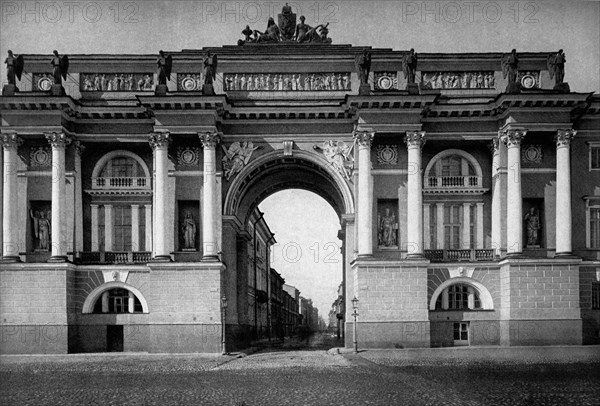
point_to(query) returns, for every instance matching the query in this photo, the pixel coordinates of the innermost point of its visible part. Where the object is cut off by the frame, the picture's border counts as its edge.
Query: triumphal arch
(466, 187)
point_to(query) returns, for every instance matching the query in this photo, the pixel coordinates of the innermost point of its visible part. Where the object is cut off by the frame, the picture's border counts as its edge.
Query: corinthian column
(58, 142)
(514, 207)
(414, 141)
(563, 191)
(159, 141)
(10, 223)
(209, 205)
(365, 195)
(496, 197)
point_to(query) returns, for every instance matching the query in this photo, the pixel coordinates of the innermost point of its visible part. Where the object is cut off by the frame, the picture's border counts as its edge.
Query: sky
(307, 253)
(144, 27)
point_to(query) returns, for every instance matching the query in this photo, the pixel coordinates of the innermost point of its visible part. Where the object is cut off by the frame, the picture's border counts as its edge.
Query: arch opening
(95, 297)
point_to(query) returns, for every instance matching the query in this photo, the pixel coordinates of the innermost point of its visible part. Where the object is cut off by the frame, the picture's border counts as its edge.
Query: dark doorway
(114, 338)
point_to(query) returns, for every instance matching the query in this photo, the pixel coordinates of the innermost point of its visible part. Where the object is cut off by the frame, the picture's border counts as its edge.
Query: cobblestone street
(314, 377)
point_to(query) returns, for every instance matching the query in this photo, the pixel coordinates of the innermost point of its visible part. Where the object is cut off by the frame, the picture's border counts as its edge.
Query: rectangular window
(595, 295)
(122, 228)
(452, 226)
(473, 230)
(595, 157)
(458, 297)
(594, 213)
(432, 226)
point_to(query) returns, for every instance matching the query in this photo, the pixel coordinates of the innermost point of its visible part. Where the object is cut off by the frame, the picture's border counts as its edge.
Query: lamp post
(355, 314)
(223, 310)
(340, 316)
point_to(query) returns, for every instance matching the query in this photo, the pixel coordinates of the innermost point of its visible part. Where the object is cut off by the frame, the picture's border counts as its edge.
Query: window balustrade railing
(121, 183)
(115, 257)
(455, 255)
(453, 182)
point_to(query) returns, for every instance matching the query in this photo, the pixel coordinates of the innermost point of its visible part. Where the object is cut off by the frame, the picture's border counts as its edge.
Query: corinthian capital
(10, 140)
(159, 139)
(57, 140)
(364, 138)
(209, 139)
(415, 139)
(563, 137)
(513, 137)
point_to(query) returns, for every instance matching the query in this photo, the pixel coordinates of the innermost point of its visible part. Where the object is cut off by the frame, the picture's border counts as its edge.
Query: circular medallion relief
(40, 157)
(528, 81)
(532, 153)
(188, 157)
(386, 154)
(385, 82)
(188, 83)
(44, 84)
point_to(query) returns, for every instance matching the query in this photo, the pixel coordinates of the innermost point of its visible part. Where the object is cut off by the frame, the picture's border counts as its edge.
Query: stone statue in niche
(189, 232)
(387, 229)
(533, 226)
(41, 228)
(236, 157)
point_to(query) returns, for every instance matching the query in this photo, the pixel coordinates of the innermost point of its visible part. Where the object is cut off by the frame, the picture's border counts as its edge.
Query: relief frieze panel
(458, 80)
(116, 82)
(287, 82)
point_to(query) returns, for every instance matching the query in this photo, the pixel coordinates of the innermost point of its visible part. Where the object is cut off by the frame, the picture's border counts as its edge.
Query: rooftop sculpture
(287, 31)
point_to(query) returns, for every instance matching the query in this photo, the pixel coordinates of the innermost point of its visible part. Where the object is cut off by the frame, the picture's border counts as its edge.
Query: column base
(415, 256)
(10, 259)
(514, 255)
(58, 258)
(161, 258)
(210, 258)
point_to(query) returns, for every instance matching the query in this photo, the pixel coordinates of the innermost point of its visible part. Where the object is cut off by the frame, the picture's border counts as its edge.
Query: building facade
(469, 212)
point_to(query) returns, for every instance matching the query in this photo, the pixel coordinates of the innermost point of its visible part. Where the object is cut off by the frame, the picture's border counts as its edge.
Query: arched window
(118, 300)
(453, 169)
(121, 170)
(461, 293)
(121, 167)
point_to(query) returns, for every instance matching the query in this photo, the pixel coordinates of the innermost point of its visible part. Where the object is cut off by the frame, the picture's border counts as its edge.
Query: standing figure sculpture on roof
(409, 66)
(60, 67)
(363, 66)
(510, 68)
(165, 64)
(14, 67)
(556, 67)
(210, 73)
